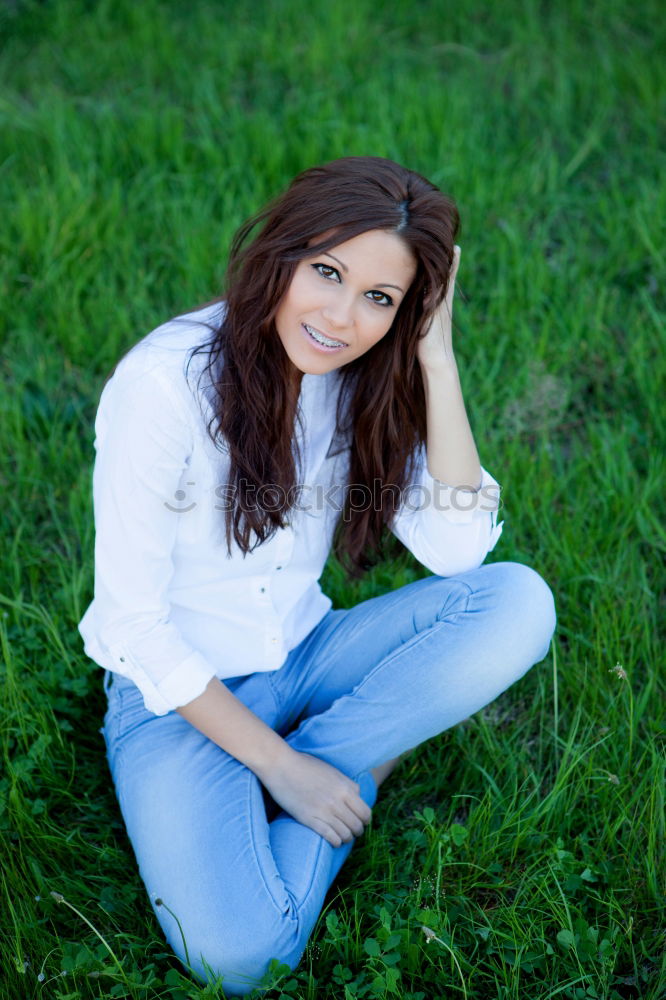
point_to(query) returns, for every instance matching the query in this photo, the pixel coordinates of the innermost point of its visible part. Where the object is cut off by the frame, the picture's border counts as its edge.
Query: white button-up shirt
(171, 608)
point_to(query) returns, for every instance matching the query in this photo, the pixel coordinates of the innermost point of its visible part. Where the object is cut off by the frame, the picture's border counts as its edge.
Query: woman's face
(340, 303)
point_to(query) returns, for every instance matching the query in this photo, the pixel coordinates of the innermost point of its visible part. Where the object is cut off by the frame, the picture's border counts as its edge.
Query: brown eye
(381, 298)
(326, 271)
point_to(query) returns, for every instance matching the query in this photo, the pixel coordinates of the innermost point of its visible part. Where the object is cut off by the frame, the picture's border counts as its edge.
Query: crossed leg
(366, 685)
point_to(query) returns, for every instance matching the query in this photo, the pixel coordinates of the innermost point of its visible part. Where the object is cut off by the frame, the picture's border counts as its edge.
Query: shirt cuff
(185, 682)
(460, 505)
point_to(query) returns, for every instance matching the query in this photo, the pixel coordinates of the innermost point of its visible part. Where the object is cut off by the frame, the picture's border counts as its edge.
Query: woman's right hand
(318, 795)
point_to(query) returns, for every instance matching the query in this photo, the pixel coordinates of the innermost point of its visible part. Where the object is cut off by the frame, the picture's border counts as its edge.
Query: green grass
(529, 840)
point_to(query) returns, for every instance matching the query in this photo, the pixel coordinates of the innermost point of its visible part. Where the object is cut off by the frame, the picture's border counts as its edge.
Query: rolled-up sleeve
(143, 443)
(448, 529)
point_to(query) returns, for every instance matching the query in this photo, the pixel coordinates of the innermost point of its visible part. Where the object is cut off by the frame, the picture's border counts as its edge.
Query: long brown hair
(381, 406)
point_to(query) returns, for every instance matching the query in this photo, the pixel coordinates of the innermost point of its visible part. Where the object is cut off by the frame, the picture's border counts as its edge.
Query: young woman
(249, 724)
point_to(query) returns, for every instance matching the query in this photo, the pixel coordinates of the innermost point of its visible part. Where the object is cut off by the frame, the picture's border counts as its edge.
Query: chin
(315, 366)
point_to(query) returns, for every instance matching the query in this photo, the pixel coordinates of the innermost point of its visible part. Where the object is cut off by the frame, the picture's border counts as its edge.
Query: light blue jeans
(233, 880)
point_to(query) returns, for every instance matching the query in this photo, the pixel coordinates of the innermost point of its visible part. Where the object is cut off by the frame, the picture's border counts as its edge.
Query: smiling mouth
(322, 339)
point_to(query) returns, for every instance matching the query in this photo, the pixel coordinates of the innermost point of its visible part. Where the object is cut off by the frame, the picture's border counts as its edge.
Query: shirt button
(278, 567)
(122, 659)
(262, 590)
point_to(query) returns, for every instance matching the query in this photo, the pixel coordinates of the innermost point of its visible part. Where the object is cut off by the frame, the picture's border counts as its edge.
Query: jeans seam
(113, 754)
(257, 859)
(298, 906)
(276, 697)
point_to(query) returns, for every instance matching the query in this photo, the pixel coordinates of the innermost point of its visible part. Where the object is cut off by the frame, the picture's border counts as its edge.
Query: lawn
(521, 854)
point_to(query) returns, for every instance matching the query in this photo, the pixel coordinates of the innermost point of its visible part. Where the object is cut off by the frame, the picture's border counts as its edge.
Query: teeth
(321, 339)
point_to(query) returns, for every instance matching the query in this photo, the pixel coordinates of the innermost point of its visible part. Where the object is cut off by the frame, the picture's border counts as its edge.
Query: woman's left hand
(435, 348)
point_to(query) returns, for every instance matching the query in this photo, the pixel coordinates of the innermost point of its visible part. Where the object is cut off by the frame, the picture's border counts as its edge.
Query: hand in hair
(435, 347)
(319, 796)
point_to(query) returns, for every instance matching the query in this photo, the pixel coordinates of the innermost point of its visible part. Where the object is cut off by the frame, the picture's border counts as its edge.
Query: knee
(237, 973)
(238, 967)
(530, 601)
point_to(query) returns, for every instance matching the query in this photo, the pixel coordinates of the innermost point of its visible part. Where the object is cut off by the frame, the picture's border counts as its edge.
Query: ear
(432, 296)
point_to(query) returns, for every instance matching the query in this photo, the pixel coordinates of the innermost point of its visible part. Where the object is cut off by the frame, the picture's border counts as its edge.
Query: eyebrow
(346, 270)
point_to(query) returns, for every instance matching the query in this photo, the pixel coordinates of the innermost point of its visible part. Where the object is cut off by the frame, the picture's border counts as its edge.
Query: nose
(339, 312)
